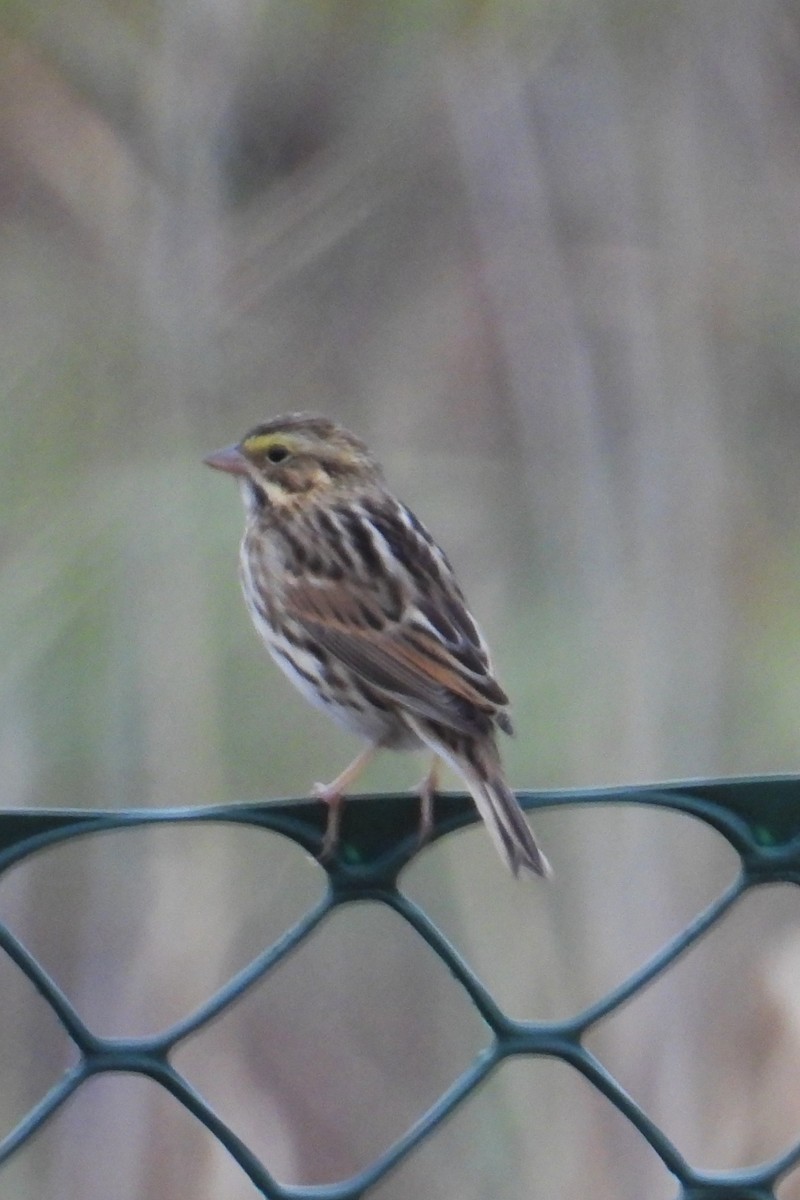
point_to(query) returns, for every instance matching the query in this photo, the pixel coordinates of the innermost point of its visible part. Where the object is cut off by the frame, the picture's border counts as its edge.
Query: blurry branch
(307, 217)
(532, 308)
(79, 158)
(30, 579)
(328, 198)
(100, 56)
(535, 311)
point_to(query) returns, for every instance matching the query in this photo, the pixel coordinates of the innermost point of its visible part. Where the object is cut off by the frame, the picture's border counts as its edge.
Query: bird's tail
(477, 761)
(505, 820)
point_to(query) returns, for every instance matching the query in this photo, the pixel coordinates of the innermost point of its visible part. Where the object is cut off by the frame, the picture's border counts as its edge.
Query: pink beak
(229, 459)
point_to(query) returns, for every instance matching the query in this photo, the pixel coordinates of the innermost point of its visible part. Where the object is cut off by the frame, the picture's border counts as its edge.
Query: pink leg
(334, 793)
(427, 793)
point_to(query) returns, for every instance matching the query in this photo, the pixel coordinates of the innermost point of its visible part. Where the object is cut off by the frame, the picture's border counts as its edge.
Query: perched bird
(360, 608)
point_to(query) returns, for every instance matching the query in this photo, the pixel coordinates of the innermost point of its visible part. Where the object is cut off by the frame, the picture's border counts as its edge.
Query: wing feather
(407, 660)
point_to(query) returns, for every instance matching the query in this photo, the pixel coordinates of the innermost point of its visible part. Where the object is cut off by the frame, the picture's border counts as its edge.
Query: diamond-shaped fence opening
(759, 819)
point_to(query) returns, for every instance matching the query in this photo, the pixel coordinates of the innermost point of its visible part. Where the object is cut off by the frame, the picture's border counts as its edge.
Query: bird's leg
(427, 793)
(333, 794)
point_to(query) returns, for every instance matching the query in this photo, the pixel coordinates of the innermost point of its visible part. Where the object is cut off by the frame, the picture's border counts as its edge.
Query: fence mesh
(760, 819)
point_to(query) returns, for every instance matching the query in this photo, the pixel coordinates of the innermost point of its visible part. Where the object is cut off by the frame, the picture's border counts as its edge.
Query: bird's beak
(229, 459)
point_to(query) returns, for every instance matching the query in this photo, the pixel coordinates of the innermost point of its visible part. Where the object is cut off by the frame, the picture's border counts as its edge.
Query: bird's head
(291, 459)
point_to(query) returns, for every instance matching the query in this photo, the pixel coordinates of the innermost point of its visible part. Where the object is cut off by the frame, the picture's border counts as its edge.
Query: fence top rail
(758, 816)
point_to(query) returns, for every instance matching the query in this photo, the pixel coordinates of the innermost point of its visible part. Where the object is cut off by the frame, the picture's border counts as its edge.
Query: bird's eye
(277, 454)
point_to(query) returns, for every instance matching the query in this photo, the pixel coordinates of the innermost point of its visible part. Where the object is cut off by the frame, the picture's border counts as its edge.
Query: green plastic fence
(760, 818)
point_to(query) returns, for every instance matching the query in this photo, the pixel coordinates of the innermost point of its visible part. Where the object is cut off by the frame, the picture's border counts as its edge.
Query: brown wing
(439, 673)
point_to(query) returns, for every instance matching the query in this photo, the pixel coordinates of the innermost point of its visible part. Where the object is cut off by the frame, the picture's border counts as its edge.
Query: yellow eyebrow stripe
(261, 442)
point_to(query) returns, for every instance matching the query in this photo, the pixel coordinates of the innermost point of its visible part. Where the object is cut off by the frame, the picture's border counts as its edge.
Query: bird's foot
(427, 794)
(333, 794)
(334, 799)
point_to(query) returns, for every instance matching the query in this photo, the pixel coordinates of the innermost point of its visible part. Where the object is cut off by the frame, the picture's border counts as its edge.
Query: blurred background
(545, 258)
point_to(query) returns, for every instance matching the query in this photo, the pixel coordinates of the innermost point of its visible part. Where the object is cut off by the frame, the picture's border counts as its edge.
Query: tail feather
(477, 761)
(505, 820)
